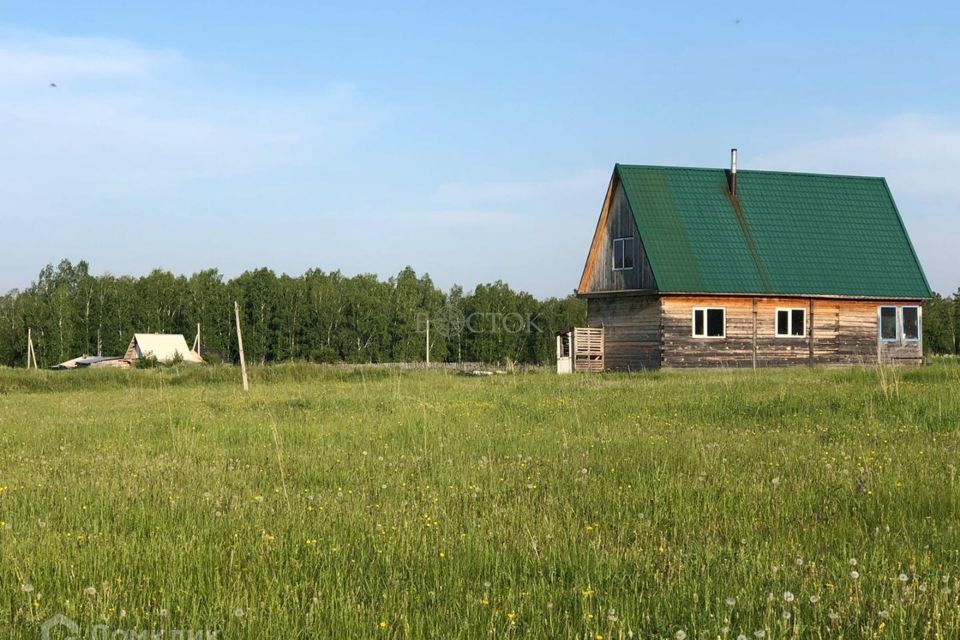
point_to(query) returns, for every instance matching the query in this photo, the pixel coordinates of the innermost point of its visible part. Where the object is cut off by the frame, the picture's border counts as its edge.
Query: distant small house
(91, 362)
(162, 347)
(715, 268)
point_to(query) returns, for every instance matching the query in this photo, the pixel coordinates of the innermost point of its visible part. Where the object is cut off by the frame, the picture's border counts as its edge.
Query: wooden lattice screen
(587, 349)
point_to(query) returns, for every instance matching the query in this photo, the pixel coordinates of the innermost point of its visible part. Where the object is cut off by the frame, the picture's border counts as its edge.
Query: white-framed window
(791, 323)
(910, 322)
(709, 322)
(623, 254)
(888, 324)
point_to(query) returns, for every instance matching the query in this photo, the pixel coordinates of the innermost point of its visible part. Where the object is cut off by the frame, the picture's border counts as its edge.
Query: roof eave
(769, 294)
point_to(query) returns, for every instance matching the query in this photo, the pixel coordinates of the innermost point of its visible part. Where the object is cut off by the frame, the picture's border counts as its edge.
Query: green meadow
(383, 503)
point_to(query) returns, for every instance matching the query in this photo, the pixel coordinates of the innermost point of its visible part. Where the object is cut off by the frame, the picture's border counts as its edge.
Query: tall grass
(385, 503)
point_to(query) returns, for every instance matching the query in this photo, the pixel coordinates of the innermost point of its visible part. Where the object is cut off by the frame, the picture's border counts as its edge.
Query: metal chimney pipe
(733, 171)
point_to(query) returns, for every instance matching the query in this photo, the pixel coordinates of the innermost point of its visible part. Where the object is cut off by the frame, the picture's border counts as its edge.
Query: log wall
(843, 332)
(631, 331)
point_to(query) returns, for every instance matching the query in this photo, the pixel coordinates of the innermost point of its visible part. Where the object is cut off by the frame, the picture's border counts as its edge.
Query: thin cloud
(578, 183)
(137, 159)
(131, 122)
(918, 154)
(28, 58)
(470, 218)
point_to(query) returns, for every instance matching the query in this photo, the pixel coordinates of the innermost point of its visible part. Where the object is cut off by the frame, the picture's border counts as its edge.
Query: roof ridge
(742, 171)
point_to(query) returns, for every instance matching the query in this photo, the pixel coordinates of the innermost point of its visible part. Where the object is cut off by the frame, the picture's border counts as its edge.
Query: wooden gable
(616, 221)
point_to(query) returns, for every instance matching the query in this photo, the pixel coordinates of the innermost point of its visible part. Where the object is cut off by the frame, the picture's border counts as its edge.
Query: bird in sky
(53, 85)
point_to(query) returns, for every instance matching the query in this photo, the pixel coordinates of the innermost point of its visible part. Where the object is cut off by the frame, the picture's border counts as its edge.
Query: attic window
(709, 323)
(791, 323)
(622, 254)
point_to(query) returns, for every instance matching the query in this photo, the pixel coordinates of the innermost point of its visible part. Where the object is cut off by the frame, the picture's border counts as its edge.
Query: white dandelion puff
(788, 596)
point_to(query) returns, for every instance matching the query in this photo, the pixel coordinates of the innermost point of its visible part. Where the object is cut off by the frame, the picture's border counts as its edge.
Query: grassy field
(800, 503)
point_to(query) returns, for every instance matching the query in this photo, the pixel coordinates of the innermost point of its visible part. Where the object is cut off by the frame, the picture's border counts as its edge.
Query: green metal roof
(784, 233)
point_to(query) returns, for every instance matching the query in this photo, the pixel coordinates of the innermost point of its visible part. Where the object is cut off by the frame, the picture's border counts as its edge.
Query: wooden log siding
(616, 221)
(681, 349)
(838, 332)
(631, 327)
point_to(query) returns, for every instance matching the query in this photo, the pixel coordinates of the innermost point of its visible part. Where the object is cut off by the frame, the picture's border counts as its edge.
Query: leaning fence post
(243, 362)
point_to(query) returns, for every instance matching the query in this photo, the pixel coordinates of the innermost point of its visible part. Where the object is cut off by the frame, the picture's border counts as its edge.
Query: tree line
(318, 316)
(941, 324)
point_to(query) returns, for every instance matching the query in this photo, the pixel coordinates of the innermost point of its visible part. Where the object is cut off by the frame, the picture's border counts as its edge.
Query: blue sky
(471, 142)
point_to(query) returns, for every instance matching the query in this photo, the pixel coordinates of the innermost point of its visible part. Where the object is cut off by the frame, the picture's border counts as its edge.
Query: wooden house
(719, 268)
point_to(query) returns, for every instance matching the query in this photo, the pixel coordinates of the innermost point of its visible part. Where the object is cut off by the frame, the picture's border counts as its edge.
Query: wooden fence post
(243, 362)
